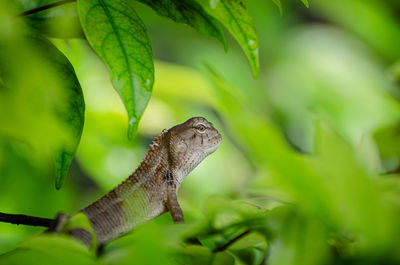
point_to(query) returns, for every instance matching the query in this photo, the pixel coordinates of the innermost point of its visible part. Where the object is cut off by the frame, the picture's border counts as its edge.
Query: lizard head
(191, 142)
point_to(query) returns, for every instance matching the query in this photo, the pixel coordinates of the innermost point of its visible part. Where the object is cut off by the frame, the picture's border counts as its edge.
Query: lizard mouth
(215, 142)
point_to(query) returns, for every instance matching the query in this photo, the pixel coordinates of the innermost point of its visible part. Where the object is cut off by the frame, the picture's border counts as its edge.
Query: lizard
(151, 189)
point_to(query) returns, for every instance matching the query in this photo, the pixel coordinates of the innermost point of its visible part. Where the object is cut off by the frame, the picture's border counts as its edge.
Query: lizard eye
(200, 128)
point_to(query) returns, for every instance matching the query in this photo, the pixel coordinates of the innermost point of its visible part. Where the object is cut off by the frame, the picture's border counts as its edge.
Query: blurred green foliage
(308, 171)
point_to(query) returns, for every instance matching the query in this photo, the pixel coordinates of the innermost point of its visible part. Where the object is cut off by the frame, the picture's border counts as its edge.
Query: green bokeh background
(314, 140)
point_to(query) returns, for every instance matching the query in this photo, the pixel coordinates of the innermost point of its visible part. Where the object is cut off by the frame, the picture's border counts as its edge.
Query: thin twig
(41, 8)
(230, 242)
(20, 219)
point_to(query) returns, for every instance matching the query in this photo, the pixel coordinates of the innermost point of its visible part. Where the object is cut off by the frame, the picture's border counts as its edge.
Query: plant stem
(20, 219)
(41, 8)
(230, 242)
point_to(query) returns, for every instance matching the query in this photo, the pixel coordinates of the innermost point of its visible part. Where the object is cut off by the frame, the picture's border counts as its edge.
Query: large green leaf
(191, 13)
(43, 105)
(71, 113)
(119, 37)
(234, 15)
(50, 249)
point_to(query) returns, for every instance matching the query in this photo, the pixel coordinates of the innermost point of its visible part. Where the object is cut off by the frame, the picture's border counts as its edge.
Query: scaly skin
(152, 189)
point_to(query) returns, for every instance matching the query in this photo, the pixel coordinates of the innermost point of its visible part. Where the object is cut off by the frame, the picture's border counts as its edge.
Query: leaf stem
(41, 8)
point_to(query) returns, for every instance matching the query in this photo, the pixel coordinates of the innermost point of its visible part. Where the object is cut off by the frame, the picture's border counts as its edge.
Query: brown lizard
(152, 188)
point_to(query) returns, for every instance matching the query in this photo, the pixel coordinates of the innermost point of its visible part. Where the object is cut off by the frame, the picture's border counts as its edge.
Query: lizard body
(152, 188)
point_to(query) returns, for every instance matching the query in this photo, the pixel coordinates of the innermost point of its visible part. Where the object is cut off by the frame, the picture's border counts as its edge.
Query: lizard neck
(155, 163)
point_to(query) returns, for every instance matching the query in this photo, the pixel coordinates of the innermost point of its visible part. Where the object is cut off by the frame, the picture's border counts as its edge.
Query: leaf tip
(63, 160)
(59, 181)
(61, 169)
(256, 73)
(253, 55)
(279, 5)
(132, 127)
(255, 65)
(224, 45)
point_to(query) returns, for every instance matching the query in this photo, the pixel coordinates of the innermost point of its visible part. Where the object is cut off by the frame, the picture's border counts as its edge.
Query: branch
(230, 242)
(20, 219)
(41, 8)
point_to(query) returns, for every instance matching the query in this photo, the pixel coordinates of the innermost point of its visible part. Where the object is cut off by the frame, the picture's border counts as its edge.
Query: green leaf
(49, 88)
(119, 37)
(388, 144)
(50, 249)
(295, 238)
(71, 114)
(222, 258)
(305, 2)
(60, 21)
(191, 13)
(279, 5)
(234, 15)
(80, 220)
